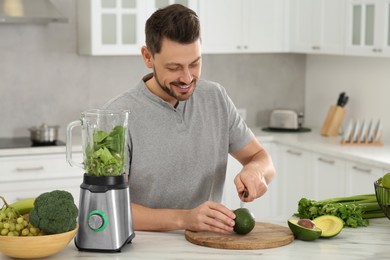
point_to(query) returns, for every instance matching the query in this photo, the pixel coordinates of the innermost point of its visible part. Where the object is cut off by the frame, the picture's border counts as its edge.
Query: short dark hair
(175, 22)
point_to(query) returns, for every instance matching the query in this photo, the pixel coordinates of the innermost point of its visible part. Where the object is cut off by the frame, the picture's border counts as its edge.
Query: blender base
(105, 219)
(105, 250)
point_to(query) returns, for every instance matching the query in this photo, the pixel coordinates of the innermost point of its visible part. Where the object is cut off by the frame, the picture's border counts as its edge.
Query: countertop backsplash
(365, 80)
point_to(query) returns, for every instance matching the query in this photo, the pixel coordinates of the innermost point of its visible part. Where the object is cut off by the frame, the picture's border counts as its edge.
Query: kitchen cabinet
(294, 177)
(30, 175)
(317, 26)
(314, 175)
(329, 180)
(361, 177)
(116, 27)
(243, 26)
(368, 28)
(262, 207)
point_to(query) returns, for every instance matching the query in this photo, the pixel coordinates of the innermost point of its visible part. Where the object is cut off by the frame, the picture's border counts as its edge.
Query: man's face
(176, 70)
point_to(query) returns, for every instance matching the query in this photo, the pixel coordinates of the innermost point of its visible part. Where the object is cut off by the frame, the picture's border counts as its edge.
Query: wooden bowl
(35, 246)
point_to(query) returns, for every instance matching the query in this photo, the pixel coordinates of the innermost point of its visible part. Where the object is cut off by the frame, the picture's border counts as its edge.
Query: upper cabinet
(243, 26)
(317, 26)
(110, 27)
(368, 28)
(341, 27)
(116, 27)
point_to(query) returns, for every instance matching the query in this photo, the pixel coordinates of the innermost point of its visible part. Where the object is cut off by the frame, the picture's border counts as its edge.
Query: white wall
(365, 80)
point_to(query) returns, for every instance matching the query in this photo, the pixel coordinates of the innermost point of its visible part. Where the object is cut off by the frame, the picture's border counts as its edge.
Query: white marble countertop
(55, 149)
(370, 242)
(312, 141)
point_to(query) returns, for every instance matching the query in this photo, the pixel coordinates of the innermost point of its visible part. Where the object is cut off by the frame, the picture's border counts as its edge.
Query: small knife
(244, 195)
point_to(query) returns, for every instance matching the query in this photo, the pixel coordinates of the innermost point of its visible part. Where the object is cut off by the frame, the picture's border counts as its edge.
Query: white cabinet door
(110, 27)
(368, 28)
(329, 177)
(262, 207)
(220, 25)
(294, 177)
(264, 26)
(116, 27)
(361, 177)
(317, 26)
(156, 4)
(243, 26)
(267, 205)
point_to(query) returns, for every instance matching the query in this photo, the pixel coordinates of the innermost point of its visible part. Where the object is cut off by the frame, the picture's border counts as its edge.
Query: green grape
(25, 232)
(6, 225)
(20, 220)
(12, 226)
(33, 230)
(1, 225)
(11, 234)
(18, 227)
(3, 215)
(4, 232)
(25, 223)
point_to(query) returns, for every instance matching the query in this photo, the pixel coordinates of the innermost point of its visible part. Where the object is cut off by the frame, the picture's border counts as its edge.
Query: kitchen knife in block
(333, 121)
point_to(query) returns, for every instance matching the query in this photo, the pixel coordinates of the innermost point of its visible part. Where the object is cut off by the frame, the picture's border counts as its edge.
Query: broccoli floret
(54, 212)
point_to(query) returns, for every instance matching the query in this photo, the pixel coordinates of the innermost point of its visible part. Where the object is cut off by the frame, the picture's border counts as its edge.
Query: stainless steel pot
(44, 134)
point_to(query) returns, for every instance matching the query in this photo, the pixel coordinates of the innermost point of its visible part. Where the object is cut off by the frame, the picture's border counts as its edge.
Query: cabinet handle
(377, 50)
(316, 48)
(361, 169)
(30, 169)
(245, 47)
(294, 152)
(326, 160)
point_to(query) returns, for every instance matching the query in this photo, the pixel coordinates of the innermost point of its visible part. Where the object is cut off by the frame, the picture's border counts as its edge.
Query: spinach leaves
(105, 156)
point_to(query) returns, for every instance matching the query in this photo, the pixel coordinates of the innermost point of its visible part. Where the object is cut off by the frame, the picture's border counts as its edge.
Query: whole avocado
(54, 212)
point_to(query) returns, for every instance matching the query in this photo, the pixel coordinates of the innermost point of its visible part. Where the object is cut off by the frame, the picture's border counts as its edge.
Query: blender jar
(104, 142)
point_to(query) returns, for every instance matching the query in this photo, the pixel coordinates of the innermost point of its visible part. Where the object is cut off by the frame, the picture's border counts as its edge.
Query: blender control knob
(97, 220)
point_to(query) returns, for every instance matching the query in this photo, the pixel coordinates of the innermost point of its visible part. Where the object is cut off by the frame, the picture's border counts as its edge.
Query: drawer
(361, 177)
(15, 191)
(38, 167)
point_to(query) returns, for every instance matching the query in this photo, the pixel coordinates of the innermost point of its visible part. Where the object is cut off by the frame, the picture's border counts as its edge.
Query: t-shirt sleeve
(239, 133)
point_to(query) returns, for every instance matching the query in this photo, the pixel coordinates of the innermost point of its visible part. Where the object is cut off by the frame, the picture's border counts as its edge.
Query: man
(182, 129)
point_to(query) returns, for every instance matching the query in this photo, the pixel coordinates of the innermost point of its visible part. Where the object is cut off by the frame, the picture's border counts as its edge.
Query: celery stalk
(353, 210)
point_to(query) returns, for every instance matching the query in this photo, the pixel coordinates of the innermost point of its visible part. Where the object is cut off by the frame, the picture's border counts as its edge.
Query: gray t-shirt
(179, 155)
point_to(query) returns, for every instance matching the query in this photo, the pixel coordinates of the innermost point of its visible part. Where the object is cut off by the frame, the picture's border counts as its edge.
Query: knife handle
(245, 193)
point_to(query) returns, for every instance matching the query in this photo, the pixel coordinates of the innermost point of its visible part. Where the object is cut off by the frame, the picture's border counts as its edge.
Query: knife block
(333, 121)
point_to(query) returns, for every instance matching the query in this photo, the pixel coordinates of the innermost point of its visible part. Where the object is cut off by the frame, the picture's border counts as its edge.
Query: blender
(105, 218)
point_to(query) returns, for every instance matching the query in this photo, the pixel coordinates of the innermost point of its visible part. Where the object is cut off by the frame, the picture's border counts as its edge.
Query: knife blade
(244, 195)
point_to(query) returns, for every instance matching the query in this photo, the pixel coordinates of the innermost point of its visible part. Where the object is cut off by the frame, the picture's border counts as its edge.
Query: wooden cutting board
(264, 235)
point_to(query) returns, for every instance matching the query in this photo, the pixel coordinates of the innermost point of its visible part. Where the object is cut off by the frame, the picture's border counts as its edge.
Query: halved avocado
(330, 225)
(303, 233)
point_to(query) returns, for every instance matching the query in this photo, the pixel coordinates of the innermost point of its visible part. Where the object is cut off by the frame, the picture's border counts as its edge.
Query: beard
(170, 91)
